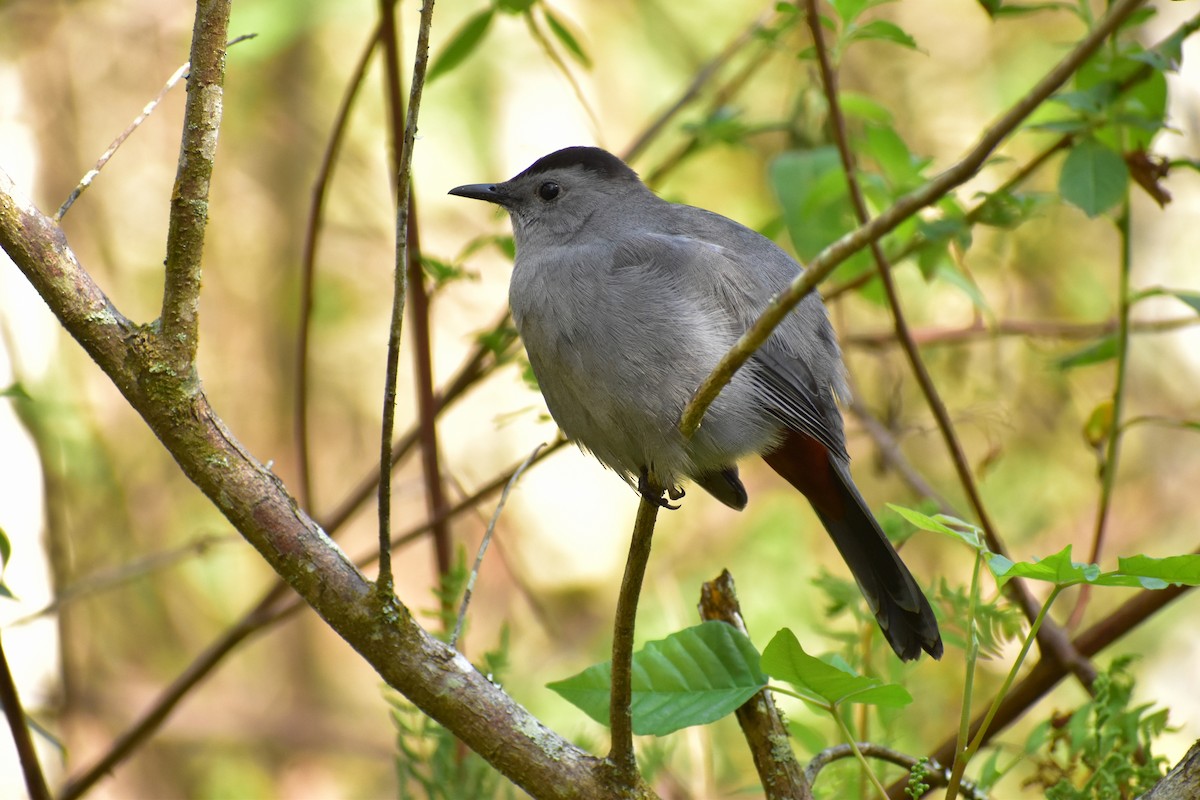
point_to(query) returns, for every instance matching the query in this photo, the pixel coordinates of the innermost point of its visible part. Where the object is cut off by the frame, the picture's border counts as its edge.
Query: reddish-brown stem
(308, 269)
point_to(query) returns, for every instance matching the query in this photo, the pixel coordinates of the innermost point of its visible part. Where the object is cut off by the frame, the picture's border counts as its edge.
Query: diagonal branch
(829, 258)
(189, 198)
(437, 680)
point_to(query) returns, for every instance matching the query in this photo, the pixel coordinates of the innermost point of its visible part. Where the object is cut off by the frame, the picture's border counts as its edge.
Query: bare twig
(104, 580)
(935, 774)
(780, 773)
(147, 110)
(14, 713)
(905, 207)
(308, 269)
(619, 715)
(189, 199)
(1044, 329)
(483, 545)
(543, 42)
(400, 284)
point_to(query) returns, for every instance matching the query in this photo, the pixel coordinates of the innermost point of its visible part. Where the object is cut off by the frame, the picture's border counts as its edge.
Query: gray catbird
(626, 302)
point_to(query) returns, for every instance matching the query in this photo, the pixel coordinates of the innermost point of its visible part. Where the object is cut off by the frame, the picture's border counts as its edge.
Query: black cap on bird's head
(589, 159)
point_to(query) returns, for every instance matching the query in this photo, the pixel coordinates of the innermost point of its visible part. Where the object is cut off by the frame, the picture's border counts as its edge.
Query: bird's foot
(652, 493)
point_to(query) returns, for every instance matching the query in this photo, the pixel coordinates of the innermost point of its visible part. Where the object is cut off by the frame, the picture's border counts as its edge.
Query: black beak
(490, 192)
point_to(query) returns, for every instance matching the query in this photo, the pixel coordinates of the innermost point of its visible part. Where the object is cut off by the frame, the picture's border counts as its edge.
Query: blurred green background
(295, 713)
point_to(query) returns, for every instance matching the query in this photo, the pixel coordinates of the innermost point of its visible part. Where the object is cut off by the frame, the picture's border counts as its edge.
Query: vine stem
(960, 764)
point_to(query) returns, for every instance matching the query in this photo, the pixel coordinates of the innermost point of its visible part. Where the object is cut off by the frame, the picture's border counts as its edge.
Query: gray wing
(799, 370)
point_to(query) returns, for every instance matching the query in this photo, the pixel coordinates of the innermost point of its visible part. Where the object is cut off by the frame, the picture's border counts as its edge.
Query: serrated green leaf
(461, 44)
(881, 30)
(1103, 350)
(568, 40)
(786, 660)
(692, 677)
(1093, 178)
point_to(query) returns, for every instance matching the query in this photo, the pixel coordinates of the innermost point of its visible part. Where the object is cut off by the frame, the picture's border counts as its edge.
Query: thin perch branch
(619, 715)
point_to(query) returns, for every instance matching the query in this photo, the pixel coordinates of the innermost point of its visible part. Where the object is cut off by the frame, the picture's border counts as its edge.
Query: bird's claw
(652, 494)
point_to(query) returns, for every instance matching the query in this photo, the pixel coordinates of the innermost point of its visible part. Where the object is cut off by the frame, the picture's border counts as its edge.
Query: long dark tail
(899, 605)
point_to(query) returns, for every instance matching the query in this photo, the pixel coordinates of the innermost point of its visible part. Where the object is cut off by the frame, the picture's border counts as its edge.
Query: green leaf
(990, 6)
(1093, 178)
(813, 193)
(692, 677)
(568, 40)
(865, 108)
(1103, 350)
(1179, 570)
(5, 549)
(881, 30)
(828, 685)
(895, 160)
(15, 391)
(944, 524)
(1191, 298)
(461, 44)
(515, 6)
(1057, 569)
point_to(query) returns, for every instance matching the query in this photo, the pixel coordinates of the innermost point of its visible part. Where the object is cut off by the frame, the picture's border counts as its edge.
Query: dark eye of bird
(548, 190)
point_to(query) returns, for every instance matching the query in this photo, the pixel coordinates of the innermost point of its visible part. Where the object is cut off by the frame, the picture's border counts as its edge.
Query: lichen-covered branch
(189, 198)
